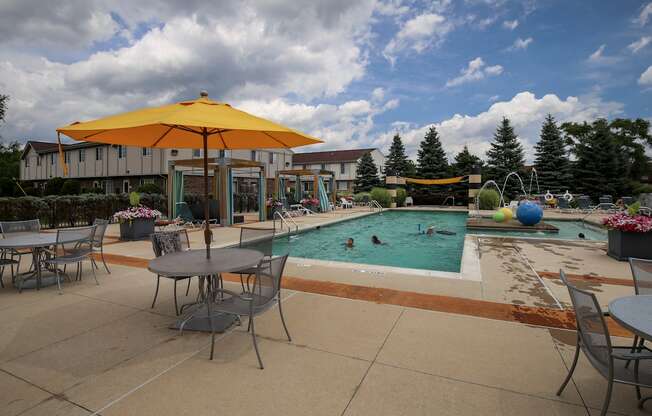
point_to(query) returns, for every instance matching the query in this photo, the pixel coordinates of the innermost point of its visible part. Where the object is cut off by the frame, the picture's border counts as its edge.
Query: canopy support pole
(207, 230)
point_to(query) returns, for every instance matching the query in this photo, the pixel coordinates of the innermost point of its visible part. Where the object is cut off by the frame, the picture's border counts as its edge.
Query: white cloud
(239, 51)
(494, 98)
(644, 15)
(599, 58)
(597, 55)
(378, 94)
(639, 44)
(418, 34)
(525, 111)
(475, 71)
(646, 77)
(510, 24)
(520, 44)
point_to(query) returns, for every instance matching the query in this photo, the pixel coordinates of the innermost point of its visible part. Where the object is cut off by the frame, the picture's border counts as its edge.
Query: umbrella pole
(207, 231)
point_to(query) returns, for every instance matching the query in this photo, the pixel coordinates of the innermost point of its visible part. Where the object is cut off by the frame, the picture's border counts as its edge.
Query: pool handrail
(285, 222)
(373, 204)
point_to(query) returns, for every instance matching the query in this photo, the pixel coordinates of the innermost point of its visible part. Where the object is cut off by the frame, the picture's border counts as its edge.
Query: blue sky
(353, 73)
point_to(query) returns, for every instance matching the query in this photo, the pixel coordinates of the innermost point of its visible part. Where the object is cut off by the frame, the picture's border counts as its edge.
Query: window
(66, 157)
(121, 151)
(342, 168)
(323, 166)
(98, 153)
(96, 184)
(125, 186)
(196, 152)
(27, 162)
(307, 186)
(52, 159)
(253, 155)
(147, 151)
(303, 167)
(222, 153)
(271, 157)
(38, 160)
(342, 186)
(82, 155)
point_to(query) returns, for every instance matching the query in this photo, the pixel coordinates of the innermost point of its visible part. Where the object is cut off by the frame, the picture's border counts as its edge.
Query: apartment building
(118, 169)
(342, 162)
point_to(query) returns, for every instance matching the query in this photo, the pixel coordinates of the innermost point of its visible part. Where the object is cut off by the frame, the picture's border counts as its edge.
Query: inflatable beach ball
(507, 212)
(529, 213)
(499, 216)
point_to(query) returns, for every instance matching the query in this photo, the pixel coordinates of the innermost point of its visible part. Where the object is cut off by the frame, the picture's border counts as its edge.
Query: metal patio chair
(261, 239)
(7, 228)
(263, 294)
(166, 242)
(98, 241)
(594, 341)
(584, 203)
(642, 275)
(73, 246)
(562, 204)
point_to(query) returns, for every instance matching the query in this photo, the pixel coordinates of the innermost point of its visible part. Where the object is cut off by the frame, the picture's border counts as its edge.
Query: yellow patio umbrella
(196, 124)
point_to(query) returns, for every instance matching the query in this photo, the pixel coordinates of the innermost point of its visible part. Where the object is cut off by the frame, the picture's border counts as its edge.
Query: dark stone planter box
(137, 229)
(623, 245)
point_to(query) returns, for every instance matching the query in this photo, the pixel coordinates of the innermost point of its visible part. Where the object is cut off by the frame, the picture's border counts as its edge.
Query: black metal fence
(73, 210)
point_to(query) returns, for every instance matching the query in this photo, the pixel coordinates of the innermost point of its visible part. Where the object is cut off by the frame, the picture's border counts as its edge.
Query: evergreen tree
(431, 158)
(505, 156)
(464, 162)
(551, 161)
(396, 163)
(598, 168)
(366, 174)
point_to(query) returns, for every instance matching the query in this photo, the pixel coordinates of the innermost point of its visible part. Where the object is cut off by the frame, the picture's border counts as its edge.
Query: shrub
(70, 187)
(382, 196)
(400, 197)
(361, 198)
(149, 188)
(53, 186)
(641, 188)
(489, 199)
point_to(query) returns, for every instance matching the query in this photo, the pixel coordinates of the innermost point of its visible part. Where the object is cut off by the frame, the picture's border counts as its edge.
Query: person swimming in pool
(430, 231)
(376, 240)
(581, 236)
(349, 243)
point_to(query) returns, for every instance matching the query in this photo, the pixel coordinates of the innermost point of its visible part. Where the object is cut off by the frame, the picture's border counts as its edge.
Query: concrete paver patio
(356, 349)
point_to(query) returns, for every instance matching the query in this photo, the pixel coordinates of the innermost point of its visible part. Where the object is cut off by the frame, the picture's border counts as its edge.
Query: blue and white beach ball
(529, 213)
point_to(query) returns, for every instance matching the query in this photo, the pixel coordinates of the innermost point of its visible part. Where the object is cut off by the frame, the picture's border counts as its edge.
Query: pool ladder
(373, 205)
(285, 221)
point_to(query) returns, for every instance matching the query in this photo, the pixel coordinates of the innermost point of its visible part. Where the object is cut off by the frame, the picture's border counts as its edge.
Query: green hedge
(382, 196)
(400, 197)
(72, 210)
(361, 198)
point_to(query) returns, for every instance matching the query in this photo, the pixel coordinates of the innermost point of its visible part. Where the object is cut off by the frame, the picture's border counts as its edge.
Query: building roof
(52, 147)
(330, 156)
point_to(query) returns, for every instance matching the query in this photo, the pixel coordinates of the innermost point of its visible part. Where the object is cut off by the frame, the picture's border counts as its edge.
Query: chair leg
(158, 281)
(634, 347)
(94, 275)
(253, 336)
(607, 399)
(188, 288)
(210, 322)
(176, 307)
(280, 311)
(572, 369)
(103, 261)
(58, 280)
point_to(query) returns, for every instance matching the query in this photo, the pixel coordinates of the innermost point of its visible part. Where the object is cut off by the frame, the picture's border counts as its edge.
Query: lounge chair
(344, 203)
(606, 199)
(409, 202)
(584, 203)
(185, 214)
(594, 341)
(627, 200)
(562, 204)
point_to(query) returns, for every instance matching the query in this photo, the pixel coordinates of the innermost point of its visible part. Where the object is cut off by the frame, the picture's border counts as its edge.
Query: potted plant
(630, 234)
(137, 221)
(311, 203)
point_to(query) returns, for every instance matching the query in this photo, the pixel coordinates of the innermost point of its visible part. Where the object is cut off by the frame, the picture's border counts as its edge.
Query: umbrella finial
(203, 94)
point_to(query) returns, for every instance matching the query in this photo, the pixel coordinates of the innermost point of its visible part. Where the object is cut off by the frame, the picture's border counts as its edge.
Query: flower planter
(623, 245)
(136, 229)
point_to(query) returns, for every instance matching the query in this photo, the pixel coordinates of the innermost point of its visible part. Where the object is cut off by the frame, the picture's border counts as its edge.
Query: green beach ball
(499, 216)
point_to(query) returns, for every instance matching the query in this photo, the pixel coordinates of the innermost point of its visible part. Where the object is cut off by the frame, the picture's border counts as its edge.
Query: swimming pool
(403, 245)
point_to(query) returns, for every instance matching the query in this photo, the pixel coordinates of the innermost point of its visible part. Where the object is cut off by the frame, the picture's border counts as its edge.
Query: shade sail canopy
(182, 125)
(447, 181)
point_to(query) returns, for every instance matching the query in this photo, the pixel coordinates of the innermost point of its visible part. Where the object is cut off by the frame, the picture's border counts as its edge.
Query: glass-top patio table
(195, 263)
(37, 243)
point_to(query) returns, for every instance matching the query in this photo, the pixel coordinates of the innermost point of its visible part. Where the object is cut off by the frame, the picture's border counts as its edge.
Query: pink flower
(629, 223)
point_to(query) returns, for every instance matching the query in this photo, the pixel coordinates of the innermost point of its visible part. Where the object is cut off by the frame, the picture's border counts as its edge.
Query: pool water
(568, 230)
(402, 246)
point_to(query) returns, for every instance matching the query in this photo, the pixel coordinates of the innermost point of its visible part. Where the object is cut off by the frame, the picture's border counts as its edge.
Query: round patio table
(195, 263)
(36, 242)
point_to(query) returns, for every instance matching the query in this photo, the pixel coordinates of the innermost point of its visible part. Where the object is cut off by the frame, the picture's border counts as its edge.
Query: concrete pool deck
(362, 344)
